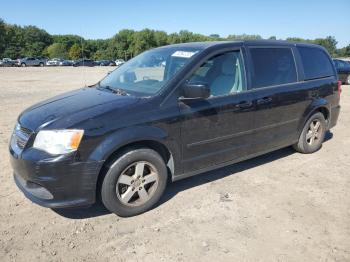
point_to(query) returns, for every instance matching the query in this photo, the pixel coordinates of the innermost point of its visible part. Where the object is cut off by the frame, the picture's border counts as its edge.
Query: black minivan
(170, 113)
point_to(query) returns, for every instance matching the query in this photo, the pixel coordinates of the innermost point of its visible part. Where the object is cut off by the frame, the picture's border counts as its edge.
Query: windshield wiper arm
(116, 90)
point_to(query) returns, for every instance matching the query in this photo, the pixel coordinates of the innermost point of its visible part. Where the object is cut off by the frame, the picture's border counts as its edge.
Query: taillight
(339, 88)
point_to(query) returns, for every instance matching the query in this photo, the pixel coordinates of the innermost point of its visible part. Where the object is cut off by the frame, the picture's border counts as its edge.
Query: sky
(104, 18)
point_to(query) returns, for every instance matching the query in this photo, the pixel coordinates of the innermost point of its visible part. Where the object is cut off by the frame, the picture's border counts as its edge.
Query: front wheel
(313, 134)
(134, 182)
(41, 64)
(348, 80)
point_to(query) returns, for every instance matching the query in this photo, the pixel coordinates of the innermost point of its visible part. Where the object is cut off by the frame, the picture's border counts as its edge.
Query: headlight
(58, 141)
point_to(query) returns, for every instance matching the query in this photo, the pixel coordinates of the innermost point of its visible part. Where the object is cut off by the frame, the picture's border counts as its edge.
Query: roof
(204, 45)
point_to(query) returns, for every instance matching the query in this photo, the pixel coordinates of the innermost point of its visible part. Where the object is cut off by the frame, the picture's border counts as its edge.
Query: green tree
(58, 50)
(75, 52)
(161, 38)
(120, 45)
(214, 36)
(14, 47)
(2, 37)
(17, 41)
(329, 43)
(35, 40)
(68, 40)
(347, 50)
(343, 52)
(142, 41)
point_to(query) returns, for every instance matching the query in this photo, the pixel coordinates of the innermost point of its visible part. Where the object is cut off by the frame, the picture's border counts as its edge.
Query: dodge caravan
(170, 113)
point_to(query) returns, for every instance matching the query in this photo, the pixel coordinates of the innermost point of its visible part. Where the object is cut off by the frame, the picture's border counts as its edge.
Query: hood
(71, 103)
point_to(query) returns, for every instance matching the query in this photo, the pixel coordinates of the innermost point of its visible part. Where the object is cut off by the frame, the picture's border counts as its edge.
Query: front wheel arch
(111, 197)
(160, 148)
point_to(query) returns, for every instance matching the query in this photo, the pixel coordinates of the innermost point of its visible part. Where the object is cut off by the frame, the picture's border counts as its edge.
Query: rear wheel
(134, 182)
(41, 64)
(313, 134)
(348, 80)
(23, 65)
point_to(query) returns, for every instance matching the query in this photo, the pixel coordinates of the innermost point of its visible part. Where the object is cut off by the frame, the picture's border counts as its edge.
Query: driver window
(223, 73)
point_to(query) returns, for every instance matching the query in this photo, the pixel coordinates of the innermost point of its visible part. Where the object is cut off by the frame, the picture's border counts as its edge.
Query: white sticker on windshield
(184, 54)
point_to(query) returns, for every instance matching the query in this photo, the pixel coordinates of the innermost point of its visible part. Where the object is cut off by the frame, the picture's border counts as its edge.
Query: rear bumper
(56, 182)
(334, 116)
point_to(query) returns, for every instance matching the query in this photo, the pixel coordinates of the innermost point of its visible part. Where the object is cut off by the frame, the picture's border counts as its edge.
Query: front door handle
(244, 104)
(264, 100)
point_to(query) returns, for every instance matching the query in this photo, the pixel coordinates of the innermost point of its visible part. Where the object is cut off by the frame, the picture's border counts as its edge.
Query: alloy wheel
(137, 183)
(314, 132)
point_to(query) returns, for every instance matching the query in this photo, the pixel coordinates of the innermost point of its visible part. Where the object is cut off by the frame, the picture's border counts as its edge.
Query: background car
(343, 69)
(105, 63)
(119, 62)
(31, 61)
(66, 63)
(54, 62)
(7, 62)
(84, 62)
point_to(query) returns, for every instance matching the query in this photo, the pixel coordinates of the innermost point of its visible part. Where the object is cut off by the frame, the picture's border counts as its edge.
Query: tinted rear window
(315, 62)
(273, 66)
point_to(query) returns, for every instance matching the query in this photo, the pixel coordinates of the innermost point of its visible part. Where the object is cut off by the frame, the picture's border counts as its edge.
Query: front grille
(21, 136)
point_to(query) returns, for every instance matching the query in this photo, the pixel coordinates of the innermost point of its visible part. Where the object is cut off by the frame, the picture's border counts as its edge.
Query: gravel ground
(282, 206)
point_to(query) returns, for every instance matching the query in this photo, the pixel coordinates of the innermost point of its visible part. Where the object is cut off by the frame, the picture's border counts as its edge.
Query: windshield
(149, 72)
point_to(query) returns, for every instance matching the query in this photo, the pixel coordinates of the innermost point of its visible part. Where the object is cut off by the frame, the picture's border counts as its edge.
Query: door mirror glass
(196, 90)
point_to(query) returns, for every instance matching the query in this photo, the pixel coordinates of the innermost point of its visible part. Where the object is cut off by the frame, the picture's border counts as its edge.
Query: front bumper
(56, 182)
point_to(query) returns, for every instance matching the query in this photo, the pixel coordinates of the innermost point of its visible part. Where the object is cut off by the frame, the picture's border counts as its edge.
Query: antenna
(82, 57)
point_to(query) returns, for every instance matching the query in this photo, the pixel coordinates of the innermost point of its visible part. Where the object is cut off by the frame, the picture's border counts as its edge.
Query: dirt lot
(283, 206)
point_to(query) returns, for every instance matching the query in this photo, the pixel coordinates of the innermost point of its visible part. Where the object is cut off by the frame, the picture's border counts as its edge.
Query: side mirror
(195, 90)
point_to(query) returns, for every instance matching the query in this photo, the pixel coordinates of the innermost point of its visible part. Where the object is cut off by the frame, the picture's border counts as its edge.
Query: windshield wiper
(117, 91)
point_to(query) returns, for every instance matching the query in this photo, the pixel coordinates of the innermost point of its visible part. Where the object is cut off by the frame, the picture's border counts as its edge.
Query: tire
(41, 64)
(23, 65)
(130, 199)
(347, 82)
(312, 137)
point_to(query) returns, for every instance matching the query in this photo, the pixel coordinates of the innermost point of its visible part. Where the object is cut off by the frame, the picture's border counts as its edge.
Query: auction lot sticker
(184, 54)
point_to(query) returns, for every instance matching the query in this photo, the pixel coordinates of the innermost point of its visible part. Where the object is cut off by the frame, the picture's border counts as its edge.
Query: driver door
(217, 129)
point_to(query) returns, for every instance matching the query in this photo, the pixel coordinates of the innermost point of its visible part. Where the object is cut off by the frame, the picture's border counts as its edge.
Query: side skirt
(217, 166)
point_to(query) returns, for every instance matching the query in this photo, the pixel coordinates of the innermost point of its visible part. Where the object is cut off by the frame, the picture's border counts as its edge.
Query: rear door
(278, 100)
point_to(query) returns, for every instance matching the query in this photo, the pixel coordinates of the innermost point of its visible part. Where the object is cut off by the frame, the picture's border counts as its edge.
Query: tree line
(22, 41)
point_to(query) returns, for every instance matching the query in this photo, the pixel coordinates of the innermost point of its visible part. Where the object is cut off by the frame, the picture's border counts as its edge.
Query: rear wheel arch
(321, 109)
(322, 106)
(313, 134)
(325, 111)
